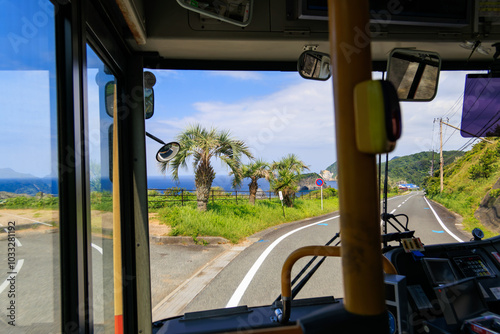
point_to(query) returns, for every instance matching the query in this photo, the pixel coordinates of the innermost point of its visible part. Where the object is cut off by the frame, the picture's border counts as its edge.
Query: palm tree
(203, 145)
(286, 176)
(256, 170)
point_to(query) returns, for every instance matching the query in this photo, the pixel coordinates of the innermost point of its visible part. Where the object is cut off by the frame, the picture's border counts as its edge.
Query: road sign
(281, 195)
(319, 182)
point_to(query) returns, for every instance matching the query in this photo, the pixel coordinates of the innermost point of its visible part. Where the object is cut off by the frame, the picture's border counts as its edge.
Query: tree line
(201, 145)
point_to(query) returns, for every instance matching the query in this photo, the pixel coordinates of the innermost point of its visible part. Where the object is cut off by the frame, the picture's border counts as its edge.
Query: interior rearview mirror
(414, 74)
(237, 12)
(314, 65)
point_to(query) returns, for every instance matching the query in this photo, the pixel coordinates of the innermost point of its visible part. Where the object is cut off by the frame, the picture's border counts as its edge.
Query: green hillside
(416, 167)
(309, 176)
(412, 168)
(466, 183)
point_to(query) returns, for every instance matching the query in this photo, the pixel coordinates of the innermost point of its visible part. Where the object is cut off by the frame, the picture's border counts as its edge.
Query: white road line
(99, 249)
(16, 240)
(36, 221)
(15, 271)
(441, 223)
(240, 290)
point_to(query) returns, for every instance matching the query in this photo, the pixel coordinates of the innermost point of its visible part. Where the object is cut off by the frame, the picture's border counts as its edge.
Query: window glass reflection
(100, 124)
(29, 199)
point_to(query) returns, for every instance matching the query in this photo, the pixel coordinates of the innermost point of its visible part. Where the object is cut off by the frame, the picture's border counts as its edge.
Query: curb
(185, 240)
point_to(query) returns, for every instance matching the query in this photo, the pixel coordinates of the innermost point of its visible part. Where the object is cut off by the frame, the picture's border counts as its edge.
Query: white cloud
(241, 75)
(296, 120)
(299, 119)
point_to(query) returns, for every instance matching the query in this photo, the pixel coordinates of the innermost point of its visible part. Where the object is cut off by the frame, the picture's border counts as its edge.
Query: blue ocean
(50, 186)
(223, 181)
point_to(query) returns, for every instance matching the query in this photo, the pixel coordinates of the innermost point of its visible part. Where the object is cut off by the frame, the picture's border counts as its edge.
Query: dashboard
(437, 289)
(449, 284)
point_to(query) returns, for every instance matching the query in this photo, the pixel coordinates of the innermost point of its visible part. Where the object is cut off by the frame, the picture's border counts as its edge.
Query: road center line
(441, 223)
(240, 290)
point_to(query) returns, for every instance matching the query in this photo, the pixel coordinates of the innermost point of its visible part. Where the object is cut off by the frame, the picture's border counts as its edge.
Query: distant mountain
(309, 176)
(333, 169)
(411, 168)
(9, 173)
(307, 181)
(22, 183)
(416, 167)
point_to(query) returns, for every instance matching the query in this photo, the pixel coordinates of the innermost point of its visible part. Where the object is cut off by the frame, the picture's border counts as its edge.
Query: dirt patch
(155, 227)
(29, 220)
(40, 220)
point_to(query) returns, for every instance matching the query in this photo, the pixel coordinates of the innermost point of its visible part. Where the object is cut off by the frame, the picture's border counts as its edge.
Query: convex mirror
(414, 74)
(237, 12)
(314, 65)
(168, 152)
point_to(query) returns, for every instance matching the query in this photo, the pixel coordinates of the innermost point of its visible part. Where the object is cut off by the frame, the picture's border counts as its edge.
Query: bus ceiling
(275, 33)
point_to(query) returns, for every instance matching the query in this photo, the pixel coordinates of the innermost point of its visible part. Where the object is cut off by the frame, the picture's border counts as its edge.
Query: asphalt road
(253, 278)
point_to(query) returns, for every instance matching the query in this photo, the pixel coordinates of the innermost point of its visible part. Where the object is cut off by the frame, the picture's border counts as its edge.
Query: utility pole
(432, 163)
(441, 162)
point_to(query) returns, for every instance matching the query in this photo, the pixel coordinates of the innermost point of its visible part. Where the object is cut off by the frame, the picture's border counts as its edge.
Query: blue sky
(275, 113)
(278, 113)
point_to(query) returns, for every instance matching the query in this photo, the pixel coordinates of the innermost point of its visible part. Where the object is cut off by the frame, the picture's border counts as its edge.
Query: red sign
(319, 182)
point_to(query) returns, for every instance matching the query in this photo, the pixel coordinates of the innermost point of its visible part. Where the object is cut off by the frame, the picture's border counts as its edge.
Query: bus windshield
(274, 115)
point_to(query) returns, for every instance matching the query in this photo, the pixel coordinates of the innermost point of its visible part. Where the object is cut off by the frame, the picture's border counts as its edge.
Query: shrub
(494, 193)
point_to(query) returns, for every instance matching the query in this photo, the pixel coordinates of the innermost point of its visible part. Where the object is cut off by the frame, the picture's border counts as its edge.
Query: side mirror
(149, 95)
(314, 65)
(235, 12)
(414, 74)
(168, 152)
(109, 97)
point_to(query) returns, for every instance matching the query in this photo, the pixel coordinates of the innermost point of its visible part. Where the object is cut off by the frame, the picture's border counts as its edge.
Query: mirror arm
(155, 138)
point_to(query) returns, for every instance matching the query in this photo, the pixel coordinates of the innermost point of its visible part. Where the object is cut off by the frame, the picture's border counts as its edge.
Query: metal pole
(155, 138)
(321, 197)
(362, 270)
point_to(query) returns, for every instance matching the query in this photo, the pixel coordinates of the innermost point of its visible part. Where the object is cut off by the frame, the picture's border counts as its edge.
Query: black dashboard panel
(241, 318)
(440, 267)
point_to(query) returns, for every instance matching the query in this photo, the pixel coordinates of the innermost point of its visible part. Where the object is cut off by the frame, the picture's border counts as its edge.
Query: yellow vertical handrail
(117, 248)
(358, 190)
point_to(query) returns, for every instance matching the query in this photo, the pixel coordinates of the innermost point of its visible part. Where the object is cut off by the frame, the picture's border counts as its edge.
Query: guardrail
(159, 197)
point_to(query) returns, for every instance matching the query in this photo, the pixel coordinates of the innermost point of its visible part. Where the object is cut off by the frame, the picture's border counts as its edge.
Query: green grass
(237, 221)
(101, 201)
(22, 202)
(462, 192)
